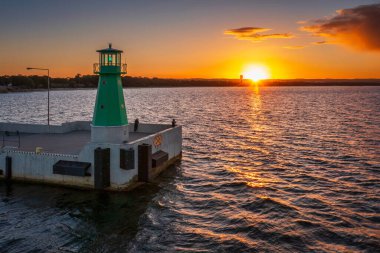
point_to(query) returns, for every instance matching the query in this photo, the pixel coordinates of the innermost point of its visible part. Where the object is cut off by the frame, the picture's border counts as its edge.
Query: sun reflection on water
(255, 108)
(251, 178)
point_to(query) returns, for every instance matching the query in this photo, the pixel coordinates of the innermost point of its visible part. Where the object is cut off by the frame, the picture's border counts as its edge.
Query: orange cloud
(254, 34)
(357, 27)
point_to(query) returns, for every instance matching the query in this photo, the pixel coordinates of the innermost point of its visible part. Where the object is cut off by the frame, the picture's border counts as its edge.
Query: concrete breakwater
(34, 152)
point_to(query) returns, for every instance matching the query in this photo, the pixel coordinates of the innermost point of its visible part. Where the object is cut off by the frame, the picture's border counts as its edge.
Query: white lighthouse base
(109, 134)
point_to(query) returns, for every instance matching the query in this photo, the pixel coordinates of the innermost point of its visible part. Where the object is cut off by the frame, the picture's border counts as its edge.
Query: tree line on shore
(91, 81)
(34, 82)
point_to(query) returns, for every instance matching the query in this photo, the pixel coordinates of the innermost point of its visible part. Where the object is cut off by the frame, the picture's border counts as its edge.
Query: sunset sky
(194, 38)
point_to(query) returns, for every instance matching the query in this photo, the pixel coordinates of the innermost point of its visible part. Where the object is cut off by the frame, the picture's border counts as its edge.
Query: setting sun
(256, 72)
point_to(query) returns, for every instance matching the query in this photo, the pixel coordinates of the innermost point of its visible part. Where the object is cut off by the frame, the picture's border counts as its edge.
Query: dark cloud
(320, 42)
(246, 30)
(357, 27)
(255, 34)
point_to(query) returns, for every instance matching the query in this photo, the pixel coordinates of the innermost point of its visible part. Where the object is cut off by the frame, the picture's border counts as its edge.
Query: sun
(256, 72)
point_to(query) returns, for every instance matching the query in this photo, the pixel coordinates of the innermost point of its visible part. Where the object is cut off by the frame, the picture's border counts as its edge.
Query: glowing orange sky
(179, 39)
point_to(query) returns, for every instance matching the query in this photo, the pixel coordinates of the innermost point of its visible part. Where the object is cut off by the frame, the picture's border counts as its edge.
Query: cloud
(320, 42)
(255, 34)
(357, 27)
(246, 30)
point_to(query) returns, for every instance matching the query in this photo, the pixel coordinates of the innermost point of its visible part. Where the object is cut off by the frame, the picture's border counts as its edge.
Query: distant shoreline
(38, 83)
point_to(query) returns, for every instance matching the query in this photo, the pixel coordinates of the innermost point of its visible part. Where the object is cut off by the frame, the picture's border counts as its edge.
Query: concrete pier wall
(171, 142)
(39, 129)
(30, 166)
(74, 126)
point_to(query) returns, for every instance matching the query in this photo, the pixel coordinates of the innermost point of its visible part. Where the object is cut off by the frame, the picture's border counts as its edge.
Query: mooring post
(8, 168)
(144, 161)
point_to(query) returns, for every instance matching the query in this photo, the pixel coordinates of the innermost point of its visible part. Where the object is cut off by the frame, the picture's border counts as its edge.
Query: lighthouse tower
(109, 122)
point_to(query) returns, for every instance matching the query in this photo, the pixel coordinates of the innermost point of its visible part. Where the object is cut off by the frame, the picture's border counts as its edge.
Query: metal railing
(96, 68)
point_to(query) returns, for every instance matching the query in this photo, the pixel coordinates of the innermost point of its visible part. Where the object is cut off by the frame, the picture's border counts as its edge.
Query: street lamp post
(48, 83)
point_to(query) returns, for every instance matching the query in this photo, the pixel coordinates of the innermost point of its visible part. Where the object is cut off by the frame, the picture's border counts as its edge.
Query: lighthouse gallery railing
(96, 68)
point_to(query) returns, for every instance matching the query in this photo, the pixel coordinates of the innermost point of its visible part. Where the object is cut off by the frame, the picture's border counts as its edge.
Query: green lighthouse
(109, 122)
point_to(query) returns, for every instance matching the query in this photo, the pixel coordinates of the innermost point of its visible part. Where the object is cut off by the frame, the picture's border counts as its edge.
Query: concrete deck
(64, 143)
